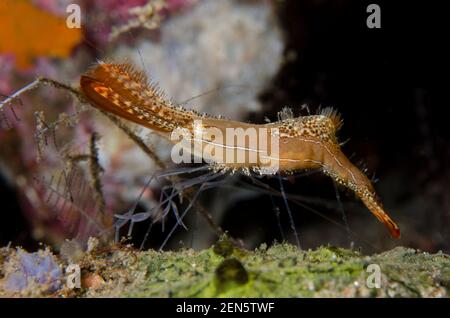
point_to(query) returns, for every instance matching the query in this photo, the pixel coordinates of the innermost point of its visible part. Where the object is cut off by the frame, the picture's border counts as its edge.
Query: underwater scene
(223, 149)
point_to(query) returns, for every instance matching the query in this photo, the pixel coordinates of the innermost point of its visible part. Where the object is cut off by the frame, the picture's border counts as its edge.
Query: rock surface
(225, 271)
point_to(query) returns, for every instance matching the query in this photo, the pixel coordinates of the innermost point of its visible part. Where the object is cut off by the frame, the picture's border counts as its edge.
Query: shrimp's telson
(306, 142)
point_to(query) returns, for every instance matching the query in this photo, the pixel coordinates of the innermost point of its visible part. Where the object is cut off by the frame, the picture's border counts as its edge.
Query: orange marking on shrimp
(306, 142)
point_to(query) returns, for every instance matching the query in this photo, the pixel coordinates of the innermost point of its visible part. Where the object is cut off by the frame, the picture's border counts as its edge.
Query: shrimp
(306, 142)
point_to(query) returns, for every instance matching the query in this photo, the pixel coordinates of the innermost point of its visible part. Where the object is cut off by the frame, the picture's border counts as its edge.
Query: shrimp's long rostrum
(307, 142)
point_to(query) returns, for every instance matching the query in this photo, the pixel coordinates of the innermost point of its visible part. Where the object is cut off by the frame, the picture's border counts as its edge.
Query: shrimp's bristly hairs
(334, 115)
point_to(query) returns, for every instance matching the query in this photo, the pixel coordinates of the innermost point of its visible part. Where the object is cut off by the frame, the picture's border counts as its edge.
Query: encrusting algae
(279, 271)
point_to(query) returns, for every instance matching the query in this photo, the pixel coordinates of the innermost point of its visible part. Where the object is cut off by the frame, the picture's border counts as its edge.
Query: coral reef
(281, 270)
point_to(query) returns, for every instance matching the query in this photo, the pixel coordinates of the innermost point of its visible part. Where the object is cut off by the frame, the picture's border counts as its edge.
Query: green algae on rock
(279, 271)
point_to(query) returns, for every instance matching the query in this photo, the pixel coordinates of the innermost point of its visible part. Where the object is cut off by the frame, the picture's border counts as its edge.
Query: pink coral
(102, 16)
(177, 5)
(6, 66)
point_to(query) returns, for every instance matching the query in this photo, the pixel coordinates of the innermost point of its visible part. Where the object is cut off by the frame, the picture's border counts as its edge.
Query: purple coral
(32, 270)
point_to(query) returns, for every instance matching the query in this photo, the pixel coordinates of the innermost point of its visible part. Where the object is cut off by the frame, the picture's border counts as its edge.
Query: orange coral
(28, 32)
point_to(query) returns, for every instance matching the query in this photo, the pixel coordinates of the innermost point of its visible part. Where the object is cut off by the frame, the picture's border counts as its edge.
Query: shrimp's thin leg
(303, 202)
(204, 186)
(199, 208)
(277, 214)
(132, 217)
(38, 82)
(176, 191)
(4, 120)
(342, 210)
(288, 209)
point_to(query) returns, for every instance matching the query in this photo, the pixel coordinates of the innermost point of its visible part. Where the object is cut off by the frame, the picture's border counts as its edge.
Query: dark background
(389, 86)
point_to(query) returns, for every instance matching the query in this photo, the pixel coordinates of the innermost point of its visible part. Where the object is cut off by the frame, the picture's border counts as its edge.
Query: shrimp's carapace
(305, 142)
